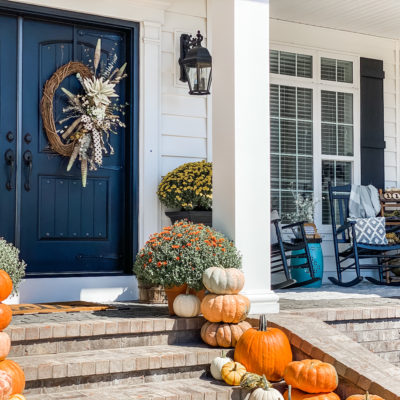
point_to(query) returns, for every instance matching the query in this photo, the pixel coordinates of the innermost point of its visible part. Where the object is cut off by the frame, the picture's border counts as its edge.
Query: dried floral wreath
(95, 112)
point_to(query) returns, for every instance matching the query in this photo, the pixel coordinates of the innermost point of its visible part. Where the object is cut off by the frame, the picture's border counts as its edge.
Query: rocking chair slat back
(339, 206)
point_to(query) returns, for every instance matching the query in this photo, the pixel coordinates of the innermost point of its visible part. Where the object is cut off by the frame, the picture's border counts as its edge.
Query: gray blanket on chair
(364, 201)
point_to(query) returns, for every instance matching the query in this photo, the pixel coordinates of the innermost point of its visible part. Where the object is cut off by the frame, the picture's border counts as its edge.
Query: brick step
(182, 389)
(383, 346)
(92, 334)
(132, 365)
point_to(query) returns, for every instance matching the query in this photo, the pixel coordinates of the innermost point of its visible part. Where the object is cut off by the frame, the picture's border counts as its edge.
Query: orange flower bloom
(223, 250)
(150, 260)
(177, 258)
(159, 264)
(175, 246)
(188, 244)
(179, 235)
(197, 248)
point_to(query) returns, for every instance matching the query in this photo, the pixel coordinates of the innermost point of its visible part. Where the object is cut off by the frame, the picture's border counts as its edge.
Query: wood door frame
(131, 29)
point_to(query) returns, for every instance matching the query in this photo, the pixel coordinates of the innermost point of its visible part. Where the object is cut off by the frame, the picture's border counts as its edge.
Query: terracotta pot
(174, 291)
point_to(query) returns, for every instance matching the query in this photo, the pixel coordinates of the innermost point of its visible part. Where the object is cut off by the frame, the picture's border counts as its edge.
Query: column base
(262, 302)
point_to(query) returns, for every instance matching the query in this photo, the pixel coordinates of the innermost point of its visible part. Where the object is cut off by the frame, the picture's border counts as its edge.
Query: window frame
(317, 85)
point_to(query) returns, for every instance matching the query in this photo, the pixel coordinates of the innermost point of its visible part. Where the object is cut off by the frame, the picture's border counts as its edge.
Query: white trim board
(100, 289)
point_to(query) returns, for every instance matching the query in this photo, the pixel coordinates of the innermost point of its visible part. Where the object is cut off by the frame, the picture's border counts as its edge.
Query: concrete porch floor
(331, 296)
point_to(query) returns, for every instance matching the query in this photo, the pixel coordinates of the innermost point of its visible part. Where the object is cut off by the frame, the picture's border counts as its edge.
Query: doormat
(47, 308)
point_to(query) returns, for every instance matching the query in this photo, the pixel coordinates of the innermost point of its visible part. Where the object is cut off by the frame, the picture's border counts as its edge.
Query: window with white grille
(314, 128)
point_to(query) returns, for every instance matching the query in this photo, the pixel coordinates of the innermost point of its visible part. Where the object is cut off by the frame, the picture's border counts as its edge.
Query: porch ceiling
(378, 18)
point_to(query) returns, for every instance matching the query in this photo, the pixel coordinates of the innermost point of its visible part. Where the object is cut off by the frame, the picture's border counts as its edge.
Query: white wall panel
(183, 146)
(194, 106)
(184, 126)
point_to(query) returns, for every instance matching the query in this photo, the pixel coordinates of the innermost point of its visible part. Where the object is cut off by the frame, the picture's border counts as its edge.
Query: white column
(241, 171)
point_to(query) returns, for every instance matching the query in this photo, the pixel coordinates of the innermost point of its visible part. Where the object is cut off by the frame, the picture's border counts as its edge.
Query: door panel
(64, 227)
(8, 124)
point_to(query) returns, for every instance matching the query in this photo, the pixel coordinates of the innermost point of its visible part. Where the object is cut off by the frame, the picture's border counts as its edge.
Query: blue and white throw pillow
(370, 230)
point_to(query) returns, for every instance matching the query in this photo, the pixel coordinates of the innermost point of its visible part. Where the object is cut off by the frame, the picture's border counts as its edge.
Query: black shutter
(372, 125)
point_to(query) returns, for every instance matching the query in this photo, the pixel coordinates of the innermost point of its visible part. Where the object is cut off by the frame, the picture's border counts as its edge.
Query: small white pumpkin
(187, 305)
(220, 280)
(264, 394)
(216, 366)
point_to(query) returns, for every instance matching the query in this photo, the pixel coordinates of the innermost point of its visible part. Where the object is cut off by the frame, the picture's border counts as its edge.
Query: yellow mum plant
(188, 187)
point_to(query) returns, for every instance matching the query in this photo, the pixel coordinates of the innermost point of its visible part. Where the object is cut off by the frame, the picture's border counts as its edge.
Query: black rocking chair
(282, 252)
(348, 257)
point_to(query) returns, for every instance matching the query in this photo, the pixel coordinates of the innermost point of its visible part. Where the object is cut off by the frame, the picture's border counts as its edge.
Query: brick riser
(131, 378)
(100, 342)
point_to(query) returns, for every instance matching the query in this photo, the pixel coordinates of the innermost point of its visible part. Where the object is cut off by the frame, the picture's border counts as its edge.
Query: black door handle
(10, 161)
(28, 162)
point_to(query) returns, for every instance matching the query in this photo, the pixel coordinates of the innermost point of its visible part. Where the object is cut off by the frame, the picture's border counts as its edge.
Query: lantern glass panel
(199, 78)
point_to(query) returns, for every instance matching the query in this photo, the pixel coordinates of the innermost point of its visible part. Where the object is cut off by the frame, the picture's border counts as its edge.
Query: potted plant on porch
(176, 258)
(188, 190)
(305, 213)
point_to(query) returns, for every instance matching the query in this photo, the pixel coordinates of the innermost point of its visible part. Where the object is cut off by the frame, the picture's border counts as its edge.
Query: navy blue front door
(59, 226)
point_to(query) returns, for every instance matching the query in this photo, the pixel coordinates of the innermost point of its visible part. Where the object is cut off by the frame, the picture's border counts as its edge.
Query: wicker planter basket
(152, 294)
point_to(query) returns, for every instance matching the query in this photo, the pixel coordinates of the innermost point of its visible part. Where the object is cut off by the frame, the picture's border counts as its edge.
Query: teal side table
(302, 274)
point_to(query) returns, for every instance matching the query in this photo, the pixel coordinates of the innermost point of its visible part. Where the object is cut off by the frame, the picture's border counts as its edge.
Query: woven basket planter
(152, 294)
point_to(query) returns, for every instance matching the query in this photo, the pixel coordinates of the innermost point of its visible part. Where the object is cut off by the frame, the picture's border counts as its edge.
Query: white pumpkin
(264, 394)
(216, 366)
(223, 280)
(187, 305)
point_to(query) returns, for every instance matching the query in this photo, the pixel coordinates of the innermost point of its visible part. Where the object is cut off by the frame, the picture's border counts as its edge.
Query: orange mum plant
(180, 253)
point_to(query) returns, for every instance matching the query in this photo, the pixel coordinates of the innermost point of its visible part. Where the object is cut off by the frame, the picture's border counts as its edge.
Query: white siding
(359, 45)
(184, 118)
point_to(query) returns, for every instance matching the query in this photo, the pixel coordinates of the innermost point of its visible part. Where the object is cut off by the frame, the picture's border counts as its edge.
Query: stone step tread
(99, 327)
(184, 389)
(100, 362)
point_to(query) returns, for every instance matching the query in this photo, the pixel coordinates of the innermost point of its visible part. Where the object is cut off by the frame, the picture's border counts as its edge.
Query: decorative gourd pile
(224, 308)
(12, 378)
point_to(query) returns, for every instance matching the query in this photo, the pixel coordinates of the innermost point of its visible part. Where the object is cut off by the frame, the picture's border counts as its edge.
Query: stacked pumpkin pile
(12, 378)
(224, 308)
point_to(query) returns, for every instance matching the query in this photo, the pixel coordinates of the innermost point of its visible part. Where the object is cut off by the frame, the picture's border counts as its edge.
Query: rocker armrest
(293, 225)
(345, 226)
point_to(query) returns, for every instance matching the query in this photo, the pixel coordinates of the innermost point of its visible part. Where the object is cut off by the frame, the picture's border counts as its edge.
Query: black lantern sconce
(196, 63)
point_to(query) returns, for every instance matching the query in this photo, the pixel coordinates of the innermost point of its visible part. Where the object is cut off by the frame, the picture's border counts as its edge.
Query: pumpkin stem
(367, 395)
(187, 289)
(290, 392)
(263, 323)
(266, 384)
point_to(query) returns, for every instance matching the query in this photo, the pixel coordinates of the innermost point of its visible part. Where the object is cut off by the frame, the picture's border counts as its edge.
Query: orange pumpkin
(6, 285)
(5, 345)
(230, 308)
(17, 375)
(264, 351)
(17, 397)
(311, 376)
(223, 335)
(299, 395)
(5, 316)
(365, 396)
